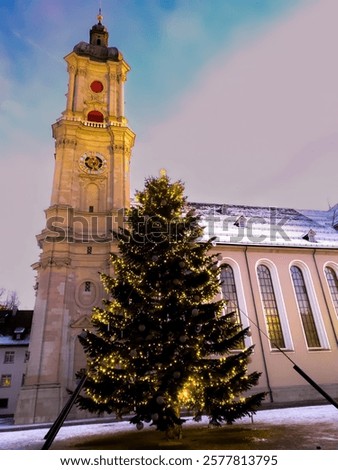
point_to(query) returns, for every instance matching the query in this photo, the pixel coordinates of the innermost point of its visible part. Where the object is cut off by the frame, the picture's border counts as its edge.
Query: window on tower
(96, 86)
(95, 116)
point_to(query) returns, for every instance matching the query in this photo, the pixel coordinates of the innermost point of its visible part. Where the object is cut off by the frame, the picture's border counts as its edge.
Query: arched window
(305, 309)
(230, 293)
(272, 317)
(332, 281)
(229, 289)
(92, 197)
(95, 116)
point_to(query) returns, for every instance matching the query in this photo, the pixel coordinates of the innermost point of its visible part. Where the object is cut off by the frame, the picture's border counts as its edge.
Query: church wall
(277, 370)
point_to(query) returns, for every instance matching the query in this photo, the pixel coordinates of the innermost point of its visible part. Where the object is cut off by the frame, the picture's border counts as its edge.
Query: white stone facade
(90, 189)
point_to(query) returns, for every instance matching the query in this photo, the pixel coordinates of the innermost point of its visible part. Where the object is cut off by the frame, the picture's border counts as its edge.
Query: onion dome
(97, 48)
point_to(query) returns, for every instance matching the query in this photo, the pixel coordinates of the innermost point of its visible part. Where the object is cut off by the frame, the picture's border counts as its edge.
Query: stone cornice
(53, 261)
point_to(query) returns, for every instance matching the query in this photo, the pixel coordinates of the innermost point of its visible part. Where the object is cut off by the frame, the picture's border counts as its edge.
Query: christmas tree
(162, 343)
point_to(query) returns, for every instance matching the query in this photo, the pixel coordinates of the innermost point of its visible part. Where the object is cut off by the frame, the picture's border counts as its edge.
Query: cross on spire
(99, 16)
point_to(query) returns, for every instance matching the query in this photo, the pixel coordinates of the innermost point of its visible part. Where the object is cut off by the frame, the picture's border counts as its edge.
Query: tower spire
(99, 34)
(99, 16)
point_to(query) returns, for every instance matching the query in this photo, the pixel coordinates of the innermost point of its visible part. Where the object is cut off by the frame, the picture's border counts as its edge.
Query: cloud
(13, 108)
(183, 29)
(245, 132)
(173, 46)
(25, 183)
(5, 82)
(38, 46)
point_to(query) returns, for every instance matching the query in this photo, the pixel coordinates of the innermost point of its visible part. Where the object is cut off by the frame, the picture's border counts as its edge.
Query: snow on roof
(8, 340)
(269, 226)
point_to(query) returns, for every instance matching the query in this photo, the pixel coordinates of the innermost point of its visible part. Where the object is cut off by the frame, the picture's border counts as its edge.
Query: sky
(236, 98)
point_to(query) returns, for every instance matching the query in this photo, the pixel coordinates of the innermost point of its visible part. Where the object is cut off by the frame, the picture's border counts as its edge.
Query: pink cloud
(256, 125)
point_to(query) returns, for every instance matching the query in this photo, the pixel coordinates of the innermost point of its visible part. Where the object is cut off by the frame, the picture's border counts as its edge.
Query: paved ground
(306, 428)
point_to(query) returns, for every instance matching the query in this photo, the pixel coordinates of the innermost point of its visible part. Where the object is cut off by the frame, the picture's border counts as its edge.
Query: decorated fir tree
(162, 343)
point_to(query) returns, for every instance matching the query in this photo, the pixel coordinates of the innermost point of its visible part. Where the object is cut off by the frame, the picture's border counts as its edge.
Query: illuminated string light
(161, 342)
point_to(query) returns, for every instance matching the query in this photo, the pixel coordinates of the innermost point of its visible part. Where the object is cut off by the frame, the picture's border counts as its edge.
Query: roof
(98, 53)
(97, 49)
(269, 226)
(13, 322)
(9, 341)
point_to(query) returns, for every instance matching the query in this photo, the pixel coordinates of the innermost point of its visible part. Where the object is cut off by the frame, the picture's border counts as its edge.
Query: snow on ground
(313, 417)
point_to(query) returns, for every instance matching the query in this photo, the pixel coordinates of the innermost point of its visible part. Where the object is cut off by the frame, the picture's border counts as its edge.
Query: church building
(280, 268)
(280, 264)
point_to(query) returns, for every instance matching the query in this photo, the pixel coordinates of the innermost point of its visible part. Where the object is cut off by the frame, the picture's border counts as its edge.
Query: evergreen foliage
(163, 342)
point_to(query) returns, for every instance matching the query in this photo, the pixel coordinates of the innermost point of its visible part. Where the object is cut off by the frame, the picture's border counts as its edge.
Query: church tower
(90, 190)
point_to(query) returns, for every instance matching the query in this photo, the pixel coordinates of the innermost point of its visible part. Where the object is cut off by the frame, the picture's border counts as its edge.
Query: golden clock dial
(93, 163)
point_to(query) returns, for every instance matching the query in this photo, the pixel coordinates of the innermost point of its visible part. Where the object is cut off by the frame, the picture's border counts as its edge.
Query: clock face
(93, 163)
